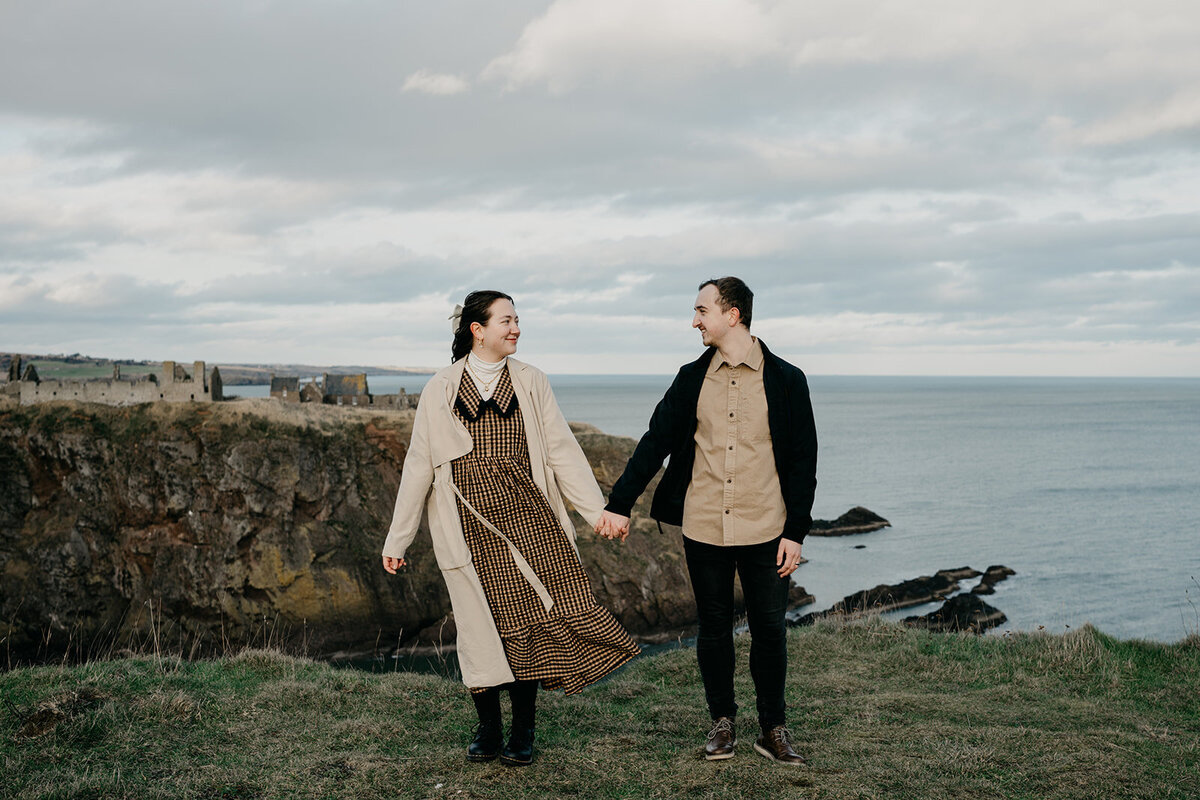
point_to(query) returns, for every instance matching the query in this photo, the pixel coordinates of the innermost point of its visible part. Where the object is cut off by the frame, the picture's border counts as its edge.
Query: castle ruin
(338, 390)
(174, 385)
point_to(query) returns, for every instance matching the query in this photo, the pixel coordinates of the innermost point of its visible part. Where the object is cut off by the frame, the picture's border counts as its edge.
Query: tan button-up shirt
(734, 497)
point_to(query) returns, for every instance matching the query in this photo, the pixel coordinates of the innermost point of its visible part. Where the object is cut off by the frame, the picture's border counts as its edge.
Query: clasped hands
(612, 526)
(615, 526)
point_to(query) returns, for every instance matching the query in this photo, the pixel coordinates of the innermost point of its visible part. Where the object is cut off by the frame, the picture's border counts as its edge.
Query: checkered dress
(577, 641)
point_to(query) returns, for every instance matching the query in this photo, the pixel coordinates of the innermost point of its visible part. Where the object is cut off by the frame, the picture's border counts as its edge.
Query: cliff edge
(219, 525)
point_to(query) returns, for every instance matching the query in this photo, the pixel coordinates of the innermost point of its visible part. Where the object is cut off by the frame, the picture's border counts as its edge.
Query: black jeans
(712, 568)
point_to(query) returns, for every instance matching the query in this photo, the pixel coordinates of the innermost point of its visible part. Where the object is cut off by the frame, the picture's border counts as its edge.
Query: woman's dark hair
(476, 308)
(733, 293)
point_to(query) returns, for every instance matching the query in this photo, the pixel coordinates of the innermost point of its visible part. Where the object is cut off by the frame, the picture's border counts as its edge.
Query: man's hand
(612, 526)
(788, 557)
(392, 564)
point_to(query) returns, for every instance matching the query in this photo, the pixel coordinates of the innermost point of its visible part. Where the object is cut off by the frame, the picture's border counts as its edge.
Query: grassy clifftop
(881, 712)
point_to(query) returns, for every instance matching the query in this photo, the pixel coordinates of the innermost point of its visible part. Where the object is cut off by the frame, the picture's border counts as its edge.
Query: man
(737, 424)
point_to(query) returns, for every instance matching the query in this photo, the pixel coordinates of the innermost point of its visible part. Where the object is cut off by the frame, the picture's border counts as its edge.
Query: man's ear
(735, 316)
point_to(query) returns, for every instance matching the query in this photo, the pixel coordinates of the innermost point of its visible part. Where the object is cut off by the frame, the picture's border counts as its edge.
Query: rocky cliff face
(212, 526)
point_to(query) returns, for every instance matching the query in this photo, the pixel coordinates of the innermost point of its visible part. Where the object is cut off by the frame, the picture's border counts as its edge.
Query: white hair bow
(456, 318)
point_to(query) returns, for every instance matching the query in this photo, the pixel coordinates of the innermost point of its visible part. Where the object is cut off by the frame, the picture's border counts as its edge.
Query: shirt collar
(753, 359)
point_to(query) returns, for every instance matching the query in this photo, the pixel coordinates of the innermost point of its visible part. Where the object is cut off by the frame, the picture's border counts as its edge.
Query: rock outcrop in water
(963, 612)
(959, 612)
(856, 520)
(220, 525)
(991, 576)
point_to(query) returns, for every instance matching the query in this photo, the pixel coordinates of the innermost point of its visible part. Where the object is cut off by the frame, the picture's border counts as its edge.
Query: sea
(1088, 487)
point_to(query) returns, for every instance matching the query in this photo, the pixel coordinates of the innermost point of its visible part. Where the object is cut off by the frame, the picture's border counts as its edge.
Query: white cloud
(578, 41)
(435, 83)
(1179, 113)
(582, 301)
(1122, 61)
(16, 290)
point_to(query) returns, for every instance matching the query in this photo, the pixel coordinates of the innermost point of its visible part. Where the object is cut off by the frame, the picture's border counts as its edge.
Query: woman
(491, 443)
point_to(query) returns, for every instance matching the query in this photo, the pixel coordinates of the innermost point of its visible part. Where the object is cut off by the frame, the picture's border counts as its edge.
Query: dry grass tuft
(51, 712)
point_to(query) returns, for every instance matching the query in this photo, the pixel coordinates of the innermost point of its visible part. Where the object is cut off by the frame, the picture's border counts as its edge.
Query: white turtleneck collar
(484, 372)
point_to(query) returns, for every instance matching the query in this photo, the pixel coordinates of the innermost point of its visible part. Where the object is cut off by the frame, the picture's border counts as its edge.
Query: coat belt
(522, 565)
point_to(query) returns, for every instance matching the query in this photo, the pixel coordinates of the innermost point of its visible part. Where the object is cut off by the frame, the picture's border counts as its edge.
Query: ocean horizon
(1088, 487)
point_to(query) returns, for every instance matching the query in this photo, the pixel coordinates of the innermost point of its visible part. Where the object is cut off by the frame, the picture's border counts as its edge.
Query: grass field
(880, 711)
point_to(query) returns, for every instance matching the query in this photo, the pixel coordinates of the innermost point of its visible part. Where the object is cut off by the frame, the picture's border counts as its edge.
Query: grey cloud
(283, 94)
(776, 159)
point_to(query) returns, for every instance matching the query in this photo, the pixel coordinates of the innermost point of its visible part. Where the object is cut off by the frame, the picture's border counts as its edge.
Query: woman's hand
(392, 564)
(612, 526)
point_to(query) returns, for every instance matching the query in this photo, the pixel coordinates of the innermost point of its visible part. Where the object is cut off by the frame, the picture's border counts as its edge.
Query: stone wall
(122, 391)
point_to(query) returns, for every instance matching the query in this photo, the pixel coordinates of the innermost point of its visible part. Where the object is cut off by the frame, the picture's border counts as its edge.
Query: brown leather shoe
(721, 740)
(774, 745)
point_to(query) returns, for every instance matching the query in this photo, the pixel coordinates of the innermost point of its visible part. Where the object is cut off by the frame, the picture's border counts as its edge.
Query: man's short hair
(733, 293)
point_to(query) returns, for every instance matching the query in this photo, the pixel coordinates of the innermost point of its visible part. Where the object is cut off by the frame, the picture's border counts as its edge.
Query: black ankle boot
(489, 735)
(488, 739)
(519, 750)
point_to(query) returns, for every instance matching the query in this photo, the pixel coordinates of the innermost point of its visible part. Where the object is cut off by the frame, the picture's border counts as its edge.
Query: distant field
(61, 370)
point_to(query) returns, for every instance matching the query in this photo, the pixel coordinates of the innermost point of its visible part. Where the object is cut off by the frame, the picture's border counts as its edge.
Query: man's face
(710, 320)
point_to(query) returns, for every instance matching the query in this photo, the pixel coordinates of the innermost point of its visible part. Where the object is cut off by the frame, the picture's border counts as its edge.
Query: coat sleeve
(572, 472)
(416, 479)
(651, 451)
(801, 461)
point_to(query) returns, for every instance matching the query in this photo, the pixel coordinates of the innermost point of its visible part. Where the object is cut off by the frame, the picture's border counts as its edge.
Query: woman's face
(498, 338)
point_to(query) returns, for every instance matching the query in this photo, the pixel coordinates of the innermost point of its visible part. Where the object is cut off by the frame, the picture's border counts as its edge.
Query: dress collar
(503, 398)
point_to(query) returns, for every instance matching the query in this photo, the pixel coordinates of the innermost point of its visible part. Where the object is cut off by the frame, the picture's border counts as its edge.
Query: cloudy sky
(1004, 188)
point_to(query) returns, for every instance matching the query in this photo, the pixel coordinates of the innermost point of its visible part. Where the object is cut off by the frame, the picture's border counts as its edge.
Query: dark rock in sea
(860, 547)
(960, 574)
(856, 520)
(992, 576)
(798, 597)
(963, 612)
(889, 597)
(913, 592)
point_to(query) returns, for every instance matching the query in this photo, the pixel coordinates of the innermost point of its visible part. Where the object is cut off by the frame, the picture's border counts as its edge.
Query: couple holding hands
(492, 460)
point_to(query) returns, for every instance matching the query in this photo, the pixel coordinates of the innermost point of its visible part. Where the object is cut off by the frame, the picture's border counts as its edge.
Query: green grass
(880, 711)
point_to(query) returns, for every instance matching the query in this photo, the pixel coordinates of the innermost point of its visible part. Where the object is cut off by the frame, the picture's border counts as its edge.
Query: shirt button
(733, 383)
(730, 447)
(729, 481)
(727, 511)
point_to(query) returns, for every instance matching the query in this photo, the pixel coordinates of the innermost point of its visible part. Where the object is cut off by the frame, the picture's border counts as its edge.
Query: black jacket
(672, 433)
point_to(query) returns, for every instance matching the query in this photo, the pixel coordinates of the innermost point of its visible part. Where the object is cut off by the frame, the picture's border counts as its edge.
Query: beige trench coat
(559, 468)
